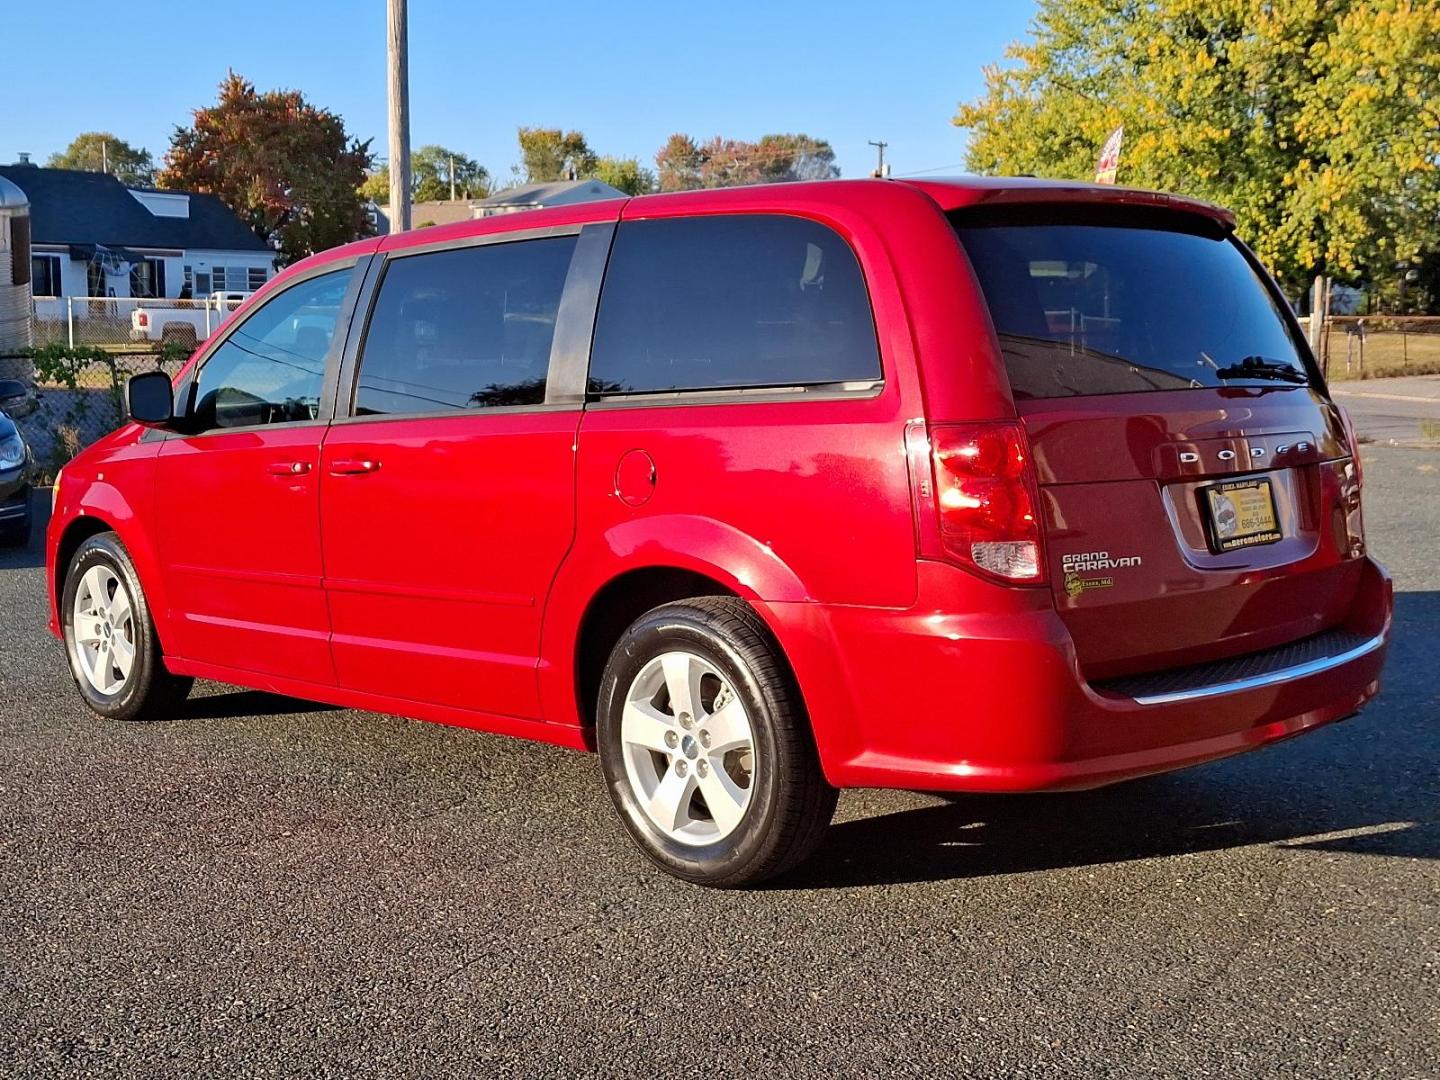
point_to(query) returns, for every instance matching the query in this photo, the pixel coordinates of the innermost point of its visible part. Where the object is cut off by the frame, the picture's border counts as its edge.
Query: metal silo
(15, 307)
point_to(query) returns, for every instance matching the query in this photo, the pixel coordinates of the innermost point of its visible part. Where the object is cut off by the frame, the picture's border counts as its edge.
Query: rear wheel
(706, 747)
(110, 639)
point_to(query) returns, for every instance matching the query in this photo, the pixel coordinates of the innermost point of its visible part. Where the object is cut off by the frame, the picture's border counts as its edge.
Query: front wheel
(706, 747)
(110, 639)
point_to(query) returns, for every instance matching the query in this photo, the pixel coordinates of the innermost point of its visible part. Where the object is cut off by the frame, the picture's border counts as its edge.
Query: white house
(93, 236)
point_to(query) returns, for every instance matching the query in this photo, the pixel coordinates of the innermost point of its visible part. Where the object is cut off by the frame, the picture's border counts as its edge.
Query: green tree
(627, 174)
(284, 165)
(430, 175)
(1318, 123)
(550, 154)
(100, 151)
(375, 187)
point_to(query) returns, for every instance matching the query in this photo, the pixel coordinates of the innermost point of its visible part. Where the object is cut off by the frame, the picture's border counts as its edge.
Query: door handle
(288, 468)
(353, 467)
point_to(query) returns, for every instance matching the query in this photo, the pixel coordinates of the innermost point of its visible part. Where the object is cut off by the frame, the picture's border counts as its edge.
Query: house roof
(442, 212)
(69, 206)
(560, 191)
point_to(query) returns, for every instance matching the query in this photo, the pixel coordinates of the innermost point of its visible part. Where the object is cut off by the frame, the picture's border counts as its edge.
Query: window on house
(218, 281)
(464, 329)
(734, 301)
(45, 275)
(147, 278)
(95, 284)
(257, 278)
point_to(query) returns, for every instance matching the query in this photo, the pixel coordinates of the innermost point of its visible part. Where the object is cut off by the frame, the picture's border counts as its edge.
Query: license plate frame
(1240, 513)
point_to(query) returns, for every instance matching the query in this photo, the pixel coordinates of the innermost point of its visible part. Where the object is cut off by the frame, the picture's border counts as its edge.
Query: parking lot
(261, 887)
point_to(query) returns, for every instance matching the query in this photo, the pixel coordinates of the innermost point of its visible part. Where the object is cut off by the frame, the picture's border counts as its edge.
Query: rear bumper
(932, 700)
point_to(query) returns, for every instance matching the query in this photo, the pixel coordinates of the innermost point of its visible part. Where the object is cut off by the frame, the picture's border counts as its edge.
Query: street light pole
(398, 55)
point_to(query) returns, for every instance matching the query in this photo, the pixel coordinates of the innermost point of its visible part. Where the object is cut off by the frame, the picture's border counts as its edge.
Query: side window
(271, 367)
(468, 328)
(731, 301)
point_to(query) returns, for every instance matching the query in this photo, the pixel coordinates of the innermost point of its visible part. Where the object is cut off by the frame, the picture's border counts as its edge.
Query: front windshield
(1104, 308)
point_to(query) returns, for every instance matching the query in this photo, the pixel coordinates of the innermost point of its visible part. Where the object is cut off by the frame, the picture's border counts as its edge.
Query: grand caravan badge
(1077, 564)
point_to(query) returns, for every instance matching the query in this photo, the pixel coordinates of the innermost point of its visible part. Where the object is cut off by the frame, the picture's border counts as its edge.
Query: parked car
(16, 469)
(976, 485)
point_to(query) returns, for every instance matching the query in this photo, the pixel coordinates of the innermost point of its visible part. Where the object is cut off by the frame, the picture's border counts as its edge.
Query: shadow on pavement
(1380, 804)
(233, 704)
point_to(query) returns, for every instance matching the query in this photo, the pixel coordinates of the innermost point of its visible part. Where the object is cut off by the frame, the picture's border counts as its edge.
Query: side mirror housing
(151, 399)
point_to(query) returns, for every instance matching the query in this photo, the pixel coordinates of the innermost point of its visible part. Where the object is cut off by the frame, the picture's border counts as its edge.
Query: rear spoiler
(1016, 190)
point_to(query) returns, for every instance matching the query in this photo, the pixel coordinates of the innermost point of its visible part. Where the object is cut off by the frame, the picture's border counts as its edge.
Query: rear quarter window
(1087, 302)
(733, 301)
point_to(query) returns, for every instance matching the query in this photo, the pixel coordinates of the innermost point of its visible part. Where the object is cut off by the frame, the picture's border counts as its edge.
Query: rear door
(447, 486)
(1195, 480)
(239, 506)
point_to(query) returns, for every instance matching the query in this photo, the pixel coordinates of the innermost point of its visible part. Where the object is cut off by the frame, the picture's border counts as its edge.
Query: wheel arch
(92, 523)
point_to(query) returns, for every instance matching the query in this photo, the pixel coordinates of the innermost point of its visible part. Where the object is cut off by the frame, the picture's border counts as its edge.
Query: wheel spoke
(644, 725)
(682, 680)
(103, 663)
(669, 805)
(119, 607)
(94, 585)
(87, 629)
(728, 728)
(725, 799)
(124, 654)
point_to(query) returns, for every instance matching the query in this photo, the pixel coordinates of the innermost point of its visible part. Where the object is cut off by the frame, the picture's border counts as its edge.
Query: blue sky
(627, 75)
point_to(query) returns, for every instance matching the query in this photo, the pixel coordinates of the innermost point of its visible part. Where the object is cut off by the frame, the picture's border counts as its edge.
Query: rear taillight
(1354, 443)
(980, 505)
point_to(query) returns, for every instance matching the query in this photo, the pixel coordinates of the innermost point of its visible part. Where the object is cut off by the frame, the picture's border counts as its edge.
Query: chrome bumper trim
(1270, 678)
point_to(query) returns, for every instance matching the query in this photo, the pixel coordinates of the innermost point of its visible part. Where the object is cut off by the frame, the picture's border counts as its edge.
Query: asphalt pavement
(264, 888)
(1396, 412)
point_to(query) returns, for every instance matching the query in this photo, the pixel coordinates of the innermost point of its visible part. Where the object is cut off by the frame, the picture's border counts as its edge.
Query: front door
(238, 492)
(447, 495)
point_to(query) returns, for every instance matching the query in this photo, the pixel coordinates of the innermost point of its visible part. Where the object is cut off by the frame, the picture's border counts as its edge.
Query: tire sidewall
(676, 630)
(105, 550)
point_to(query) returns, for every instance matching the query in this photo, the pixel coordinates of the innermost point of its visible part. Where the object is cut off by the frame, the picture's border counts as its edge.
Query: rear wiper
(1261, 367)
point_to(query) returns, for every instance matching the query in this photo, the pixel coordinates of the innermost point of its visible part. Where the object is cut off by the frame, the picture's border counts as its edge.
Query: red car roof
(953, 193)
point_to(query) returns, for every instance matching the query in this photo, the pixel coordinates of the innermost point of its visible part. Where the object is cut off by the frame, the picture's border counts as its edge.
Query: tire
(664, 764)
(99, 573)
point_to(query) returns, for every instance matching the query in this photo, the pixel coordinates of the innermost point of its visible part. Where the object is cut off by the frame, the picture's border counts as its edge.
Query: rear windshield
(1098, 305)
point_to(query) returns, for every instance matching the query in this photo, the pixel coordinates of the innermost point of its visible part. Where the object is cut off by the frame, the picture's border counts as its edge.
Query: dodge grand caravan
(977, 485)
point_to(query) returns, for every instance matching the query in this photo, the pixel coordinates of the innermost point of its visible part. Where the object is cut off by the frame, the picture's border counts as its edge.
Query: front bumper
(932, 700)
(14, 499)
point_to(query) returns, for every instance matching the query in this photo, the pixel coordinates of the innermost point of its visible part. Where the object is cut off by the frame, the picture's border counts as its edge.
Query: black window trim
(731, 395)
(574, 322)
(185, 390)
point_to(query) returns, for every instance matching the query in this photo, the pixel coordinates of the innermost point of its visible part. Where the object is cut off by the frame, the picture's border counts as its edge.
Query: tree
(430, 175)
(550, 154)
(100, 151)
(285, 166)
(678, 162)
(722, 162)
(627, 174)
(1317, 123)
(375, 187)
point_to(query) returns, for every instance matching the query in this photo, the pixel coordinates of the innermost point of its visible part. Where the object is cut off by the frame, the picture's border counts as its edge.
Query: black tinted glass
(464, 329)
(733, 301)
(272, 366)
(1111, 309)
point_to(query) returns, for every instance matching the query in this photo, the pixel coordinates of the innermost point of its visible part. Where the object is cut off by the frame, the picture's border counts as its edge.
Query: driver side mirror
(152, 399)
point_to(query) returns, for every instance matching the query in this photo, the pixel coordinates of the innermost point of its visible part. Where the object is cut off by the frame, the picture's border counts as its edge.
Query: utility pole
(398, 55)
(104, 155)
(880, 165)
(452, 177)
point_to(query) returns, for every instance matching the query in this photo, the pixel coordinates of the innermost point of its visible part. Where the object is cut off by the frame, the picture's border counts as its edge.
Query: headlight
(12, 452)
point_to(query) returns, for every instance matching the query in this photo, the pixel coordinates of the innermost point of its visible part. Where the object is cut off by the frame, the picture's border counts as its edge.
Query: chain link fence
(77, 397)
(111, 321)
(1379, 346)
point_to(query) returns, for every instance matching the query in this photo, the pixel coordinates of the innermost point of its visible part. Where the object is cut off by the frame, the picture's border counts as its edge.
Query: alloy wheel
(103, 623)
(688, 747)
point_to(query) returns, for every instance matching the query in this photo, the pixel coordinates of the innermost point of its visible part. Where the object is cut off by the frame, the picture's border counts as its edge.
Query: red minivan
(970, 485)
